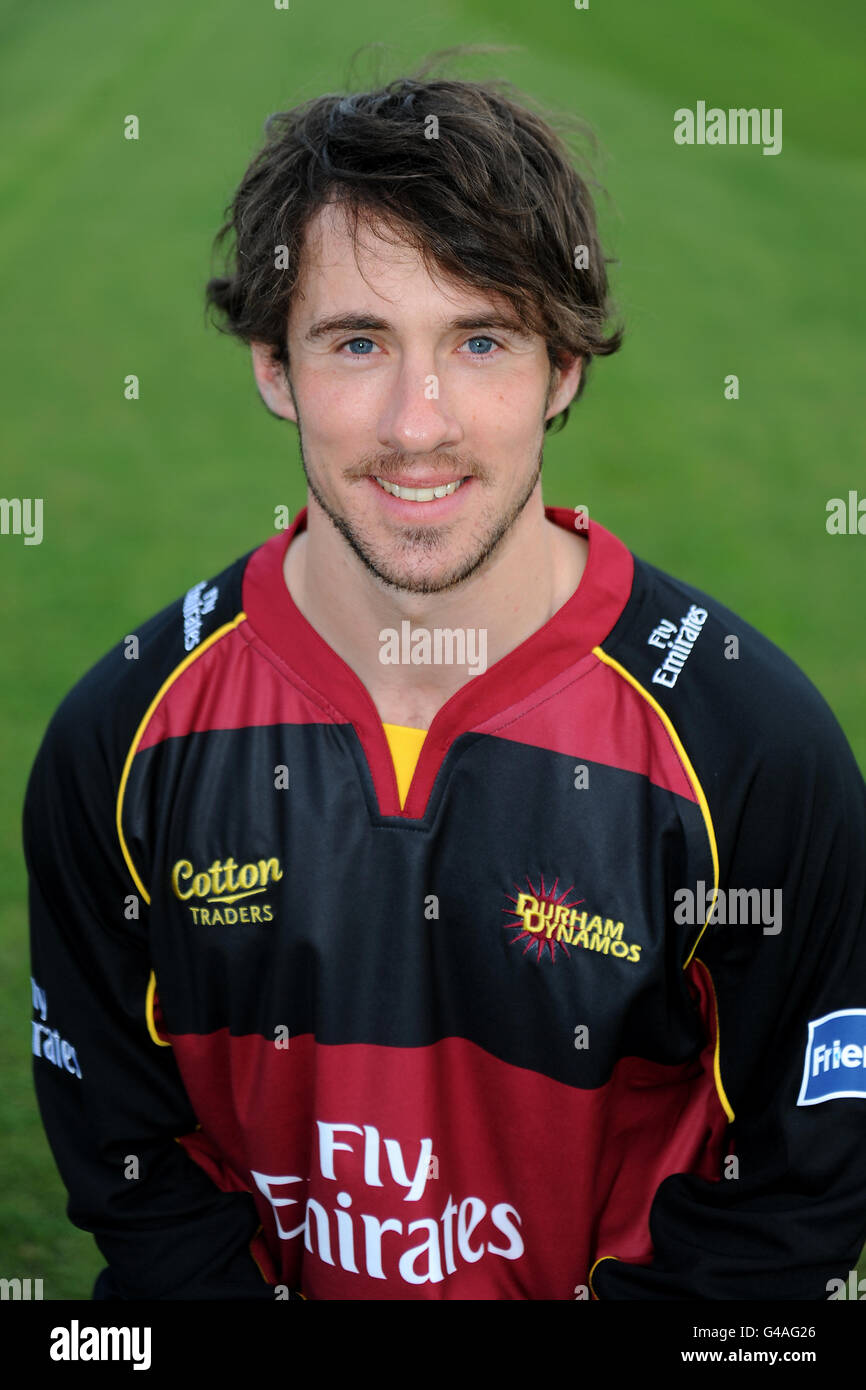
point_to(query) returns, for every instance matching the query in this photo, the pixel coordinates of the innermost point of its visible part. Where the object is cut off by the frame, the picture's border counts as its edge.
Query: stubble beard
(422, 541)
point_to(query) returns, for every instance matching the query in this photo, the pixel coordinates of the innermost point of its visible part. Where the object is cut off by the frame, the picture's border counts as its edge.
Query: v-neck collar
(583, 621)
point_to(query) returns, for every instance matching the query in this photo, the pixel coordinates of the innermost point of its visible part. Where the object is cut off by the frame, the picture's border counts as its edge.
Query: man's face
(397, 379)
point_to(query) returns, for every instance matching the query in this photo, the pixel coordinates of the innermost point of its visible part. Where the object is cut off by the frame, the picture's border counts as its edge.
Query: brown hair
(492, 201)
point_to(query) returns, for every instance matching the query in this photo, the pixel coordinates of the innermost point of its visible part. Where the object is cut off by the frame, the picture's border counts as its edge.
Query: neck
(534, 570)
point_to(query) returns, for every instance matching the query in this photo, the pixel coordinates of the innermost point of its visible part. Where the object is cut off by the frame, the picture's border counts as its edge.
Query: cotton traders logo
(545, 922)
(225, 884)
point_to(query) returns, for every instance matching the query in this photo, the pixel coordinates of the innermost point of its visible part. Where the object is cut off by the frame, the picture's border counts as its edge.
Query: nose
(415, 418)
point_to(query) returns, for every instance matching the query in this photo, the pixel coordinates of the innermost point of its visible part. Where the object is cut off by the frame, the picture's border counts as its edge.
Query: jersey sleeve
(111, 1098)
(787, 1215)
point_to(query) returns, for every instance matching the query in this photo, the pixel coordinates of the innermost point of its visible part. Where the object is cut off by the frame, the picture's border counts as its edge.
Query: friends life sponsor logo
(835, 1063)
(45, 1041)
(546, 923)
(438, 646)
(77, 1343)
(226, 886)
(422, 1251)
(757, 907)
(677, 642)
(197, 603)
(736, 126)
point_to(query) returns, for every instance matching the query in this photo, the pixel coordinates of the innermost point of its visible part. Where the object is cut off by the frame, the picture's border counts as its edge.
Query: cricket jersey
(562, 998)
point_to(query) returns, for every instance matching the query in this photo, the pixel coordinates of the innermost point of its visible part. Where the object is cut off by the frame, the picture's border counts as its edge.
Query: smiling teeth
(419, 494)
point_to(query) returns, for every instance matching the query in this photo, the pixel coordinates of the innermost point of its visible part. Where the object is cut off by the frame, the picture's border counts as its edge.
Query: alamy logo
(835, 1064)
(677, 642)
(76, 1343)
(198, 602)
(22, 516)
(20, 1289)
(439, 646)
(737, 126)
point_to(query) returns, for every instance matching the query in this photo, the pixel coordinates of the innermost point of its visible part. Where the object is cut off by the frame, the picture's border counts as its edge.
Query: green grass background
(728, 261)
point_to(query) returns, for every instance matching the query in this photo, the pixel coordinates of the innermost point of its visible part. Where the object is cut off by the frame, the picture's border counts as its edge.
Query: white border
(831, 1095)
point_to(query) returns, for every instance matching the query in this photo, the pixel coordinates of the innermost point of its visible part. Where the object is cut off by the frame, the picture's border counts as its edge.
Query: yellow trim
(169, 681)
(594, 1268)
(690, 772)
(148, 1012)
(179, 1138)
(717, 1071)
(405, 745)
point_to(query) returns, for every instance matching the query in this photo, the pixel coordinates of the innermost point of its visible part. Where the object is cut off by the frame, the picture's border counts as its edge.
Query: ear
(567, 380)
(272, 383)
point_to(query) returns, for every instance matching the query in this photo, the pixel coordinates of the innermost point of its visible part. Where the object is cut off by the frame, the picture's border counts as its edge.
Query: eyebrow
(369, 323)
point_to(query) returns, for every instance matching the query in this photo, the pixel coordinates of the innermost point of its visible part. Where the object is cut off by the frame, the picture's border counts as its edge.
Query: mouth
(420, 494)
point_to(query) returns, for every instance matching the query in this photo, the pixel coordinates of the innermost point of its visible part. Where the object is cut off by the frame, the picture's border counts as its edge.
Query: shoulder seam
(139, 733)
(717, 1070)
(694, 780)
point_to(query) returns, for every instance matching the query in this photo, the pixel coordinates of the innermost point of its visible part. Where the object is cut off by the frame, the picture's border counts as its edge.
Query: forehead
(380, 268)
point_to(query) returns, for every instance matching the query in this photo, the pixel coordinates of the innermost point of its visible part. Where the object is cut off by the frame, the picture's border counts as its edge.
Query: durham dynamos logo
(545, 921)
(224, 884)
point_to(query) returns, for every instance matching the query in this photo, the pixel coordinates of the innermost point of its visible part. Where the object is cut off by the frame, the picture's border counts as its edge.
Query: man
(446, 903)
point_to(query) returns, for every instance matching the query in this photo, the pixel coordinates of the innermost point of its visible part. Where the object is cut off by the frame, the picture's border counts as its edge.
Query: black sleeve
(789, 806)
(110, 1096)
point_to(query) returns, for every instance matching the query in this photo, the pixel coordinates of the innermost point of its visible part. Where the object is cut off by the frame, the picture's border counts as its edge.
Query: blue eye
(353, 342)
(480, 340)
(479, 346)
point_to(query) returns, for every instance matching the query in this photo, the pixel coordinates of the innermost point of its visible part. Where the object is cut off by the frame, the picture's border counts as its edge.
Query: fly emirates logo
(418, 1252)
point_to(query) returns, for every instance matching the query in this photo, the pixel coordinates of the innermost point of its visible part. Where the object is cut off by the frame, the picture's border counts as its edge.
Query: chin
(415, 581)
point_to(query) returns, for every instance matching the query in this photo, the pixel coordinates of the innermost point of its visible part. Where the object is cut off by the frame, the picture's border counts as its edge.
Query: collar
(583, 622)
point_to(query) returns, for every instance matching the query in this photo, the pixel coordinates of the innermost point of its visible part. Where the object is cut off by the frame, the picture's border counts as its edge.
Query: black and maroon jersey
(583, 1015)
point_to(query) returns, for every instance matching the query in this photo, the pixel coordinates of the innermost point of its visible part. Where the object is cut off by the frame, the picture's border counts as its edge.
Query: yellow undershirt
(405, 745)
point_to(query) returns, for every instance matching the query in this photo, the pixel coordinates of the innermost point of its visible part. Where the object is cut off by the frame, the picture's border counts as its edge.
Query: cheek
(507, 422)
(334, 406)
(509, 407)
